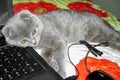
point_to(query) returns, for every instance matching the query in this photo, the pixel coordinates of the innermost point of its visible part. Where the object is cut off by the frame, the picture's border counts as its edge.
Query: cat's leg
(48, 56)
(60, 56)
(56, 58)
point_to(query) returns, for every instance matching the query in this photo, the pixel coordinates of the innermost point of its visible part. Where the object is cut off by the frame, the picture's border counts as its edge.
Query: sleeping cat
(54, 30)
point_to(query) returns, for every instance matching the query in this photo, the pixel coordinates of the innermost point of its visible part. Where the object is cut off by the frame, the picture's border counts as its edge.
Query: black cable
(78, 73)
(103, 43)
(86, 56)
(91, 49)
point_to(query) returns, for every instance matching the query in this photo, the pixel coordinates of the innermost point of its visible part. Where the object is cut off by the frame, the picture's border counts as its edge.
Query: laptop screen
(10, 7)
(6, 11)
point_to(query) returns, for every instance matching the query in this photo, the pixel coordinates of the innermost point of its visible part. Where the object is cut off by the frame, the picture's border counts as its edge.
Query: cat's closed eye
(23, 41)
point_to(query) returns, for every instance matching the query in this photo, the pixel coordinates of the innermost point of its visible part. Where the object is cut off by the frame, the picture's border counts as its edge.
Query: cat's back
(74, 25)
(68, 22)
(67, 15)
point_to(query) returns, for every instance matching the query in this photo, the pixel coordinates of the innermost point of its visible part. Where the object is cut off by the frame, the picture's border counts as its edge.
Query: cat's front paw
(53, 64)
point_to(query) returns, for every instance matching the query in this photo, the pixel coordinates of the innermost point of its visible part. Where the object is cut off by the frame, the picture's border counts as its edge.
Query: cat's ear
(25, 15)
(7, 32)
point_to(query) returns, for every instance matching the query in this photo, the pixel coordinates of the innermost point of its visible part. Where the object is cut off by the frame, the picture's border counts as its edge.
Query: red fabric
(108, 66)
(87, 7)
(118, 19)
(36, 8)
(42, 7)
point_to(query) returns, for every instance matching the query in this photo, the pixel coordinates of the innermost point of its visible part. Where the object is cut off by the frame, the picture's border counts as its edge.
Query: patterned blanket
(43, 6)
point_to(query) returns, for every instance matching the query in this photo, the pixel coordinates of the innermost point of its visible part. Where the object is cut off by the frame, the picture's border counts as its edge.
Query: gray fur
(54, 30)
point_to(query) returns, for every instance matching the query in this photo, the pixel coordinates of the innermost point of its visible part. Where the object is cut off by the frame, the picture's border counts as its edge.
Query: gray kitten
(52, 32)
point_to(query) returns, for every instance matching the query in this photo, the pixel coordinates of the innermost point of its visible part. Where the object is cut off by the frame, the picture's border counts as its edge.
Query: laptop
(17, 63)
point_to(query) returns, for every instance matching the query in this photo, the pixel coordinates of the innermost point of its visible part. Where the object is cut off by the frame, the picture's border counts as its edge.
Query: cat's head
(23, 29)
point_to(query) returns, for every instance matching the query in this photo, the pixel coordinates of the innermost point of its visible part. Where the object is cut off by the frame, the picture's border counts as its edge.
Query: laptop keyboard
(15, 63)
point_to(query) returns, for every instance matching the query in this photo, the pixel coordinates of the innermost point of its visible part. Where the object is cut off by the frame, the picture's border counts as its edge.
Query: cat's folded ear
(7, 32)
(25, 15)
